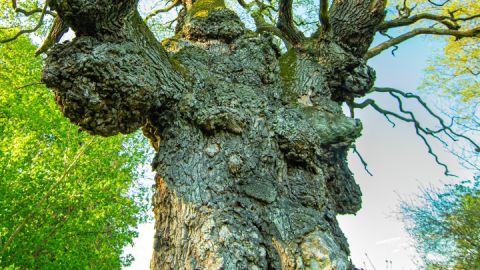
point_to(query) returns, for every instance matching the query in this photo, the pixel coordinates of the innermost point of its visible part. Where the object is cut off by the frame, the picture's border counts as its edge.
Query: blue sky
(398, 160)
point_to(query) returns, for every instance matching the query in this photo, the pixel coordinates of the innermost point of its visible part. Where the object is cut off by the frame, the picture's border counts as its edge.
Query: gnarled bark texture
(251, 144)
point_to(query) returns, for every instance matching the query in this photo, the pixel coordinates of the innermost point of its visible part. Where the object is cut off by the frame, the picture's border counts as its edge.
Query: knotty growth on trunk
(251, 143)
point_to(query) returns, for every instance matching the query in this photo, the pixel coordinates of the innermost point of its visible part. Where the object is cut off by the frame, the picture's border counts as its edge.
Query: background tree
(67, 199)
(251, 139)
(445, 226)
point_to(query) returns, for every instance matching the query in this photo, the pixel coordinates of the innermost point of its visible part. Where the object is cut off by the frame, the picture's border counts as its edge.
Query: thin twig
(28, 85)
(364, 163)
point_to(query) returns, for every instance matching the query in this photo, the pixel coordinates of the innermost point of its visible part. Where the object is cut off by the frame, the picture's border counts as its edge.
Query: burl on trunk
(251, 143)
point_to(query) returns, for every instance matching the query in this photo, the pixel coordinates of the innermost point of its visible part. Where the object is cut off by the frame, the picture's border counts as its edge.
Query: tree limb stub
(114, 72)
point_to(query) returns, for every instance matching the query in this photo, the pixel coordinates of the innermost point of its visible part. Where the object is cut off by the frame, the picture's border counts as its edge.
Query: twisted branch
(409, 117)
(449, 21)
(27, 31)
(362, 160)
(437, 4)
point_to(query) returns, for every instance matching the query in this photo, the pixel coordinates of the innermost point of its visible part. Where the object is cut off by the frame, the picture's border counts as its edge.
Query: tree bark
(354, 23)
(251, 162)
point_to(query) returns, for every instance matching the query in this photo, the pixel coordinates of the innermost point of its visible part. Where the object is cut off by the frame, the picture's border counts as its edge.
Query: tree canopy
(68, 200)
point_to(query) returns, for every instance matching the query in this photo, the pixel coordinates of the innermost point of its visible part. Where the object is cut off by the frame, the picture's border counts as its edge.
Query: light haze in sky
(398, 160)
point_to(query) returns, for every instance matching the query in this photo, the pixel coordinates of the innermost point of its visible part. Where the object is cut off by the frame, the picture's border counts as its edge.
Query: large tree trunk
(251, 145)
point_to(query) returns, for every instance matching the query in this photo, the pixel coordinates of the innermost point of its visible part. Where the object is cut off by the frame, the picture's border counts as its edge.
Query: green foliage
(446, 226)
(11, 19)
(455, 70)
(67, 200)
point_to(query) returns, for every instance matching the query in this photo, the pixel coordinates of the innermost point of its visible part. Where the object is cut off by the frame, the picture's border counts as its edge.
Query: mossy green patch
(202, 8)
(288, 70)
(178, 66)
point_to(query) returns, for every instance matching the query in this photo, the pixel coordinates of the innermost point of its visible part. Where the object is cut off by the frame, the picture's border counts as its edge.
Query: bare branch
(420, 131)
(386, 113)
(404, 11)
(27, 31)
(444, 126)
(449, 21)
(404, 21)
(395, 47)
(409, 117)
(474, 32)
(162, 10)
(474, 73)
(364, 163)
(438, 5)
(33, 11)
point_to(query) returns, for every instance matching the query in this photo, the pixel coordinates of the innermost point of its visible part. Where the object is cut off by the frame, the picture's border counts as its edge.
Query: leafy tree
(67, 199)
(445, 226)
(250, 135)
(456, 69)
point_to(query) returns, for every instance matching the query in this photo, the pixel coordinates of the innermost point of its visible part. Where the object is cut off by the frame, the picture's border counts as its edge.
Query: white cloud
(388, 241)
